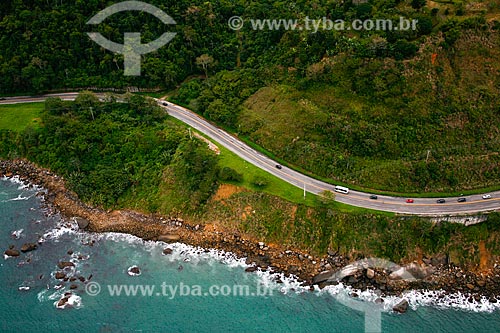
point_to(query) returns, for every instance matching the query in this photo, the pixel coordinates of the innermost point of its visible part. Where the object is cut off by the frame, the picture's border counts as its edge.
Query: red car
(409, 200)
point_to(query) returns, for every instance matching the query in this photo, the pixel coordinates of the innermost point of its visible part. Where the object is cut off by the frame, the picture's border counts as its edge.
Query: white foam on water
(180, 251)
(289, 284)
(416, 298)
(19, 198)
(441, 299)
(41, 296)
(16, 234)
(194, 255)
(115, 237)
(13, 180)
(77, 256)
(22, 184)
(74, 301)
(62, 228)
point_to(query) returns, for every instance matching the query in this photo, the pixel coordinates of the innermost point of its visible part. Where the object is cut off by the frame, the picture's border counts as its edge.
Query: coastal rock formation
(62, 302)
(262, 261)
(323, 277)
(167, 251)
(134, 271)
(68, 300)
(59, 275)
(401, 307)
(12, 253)
(64, 264)
(28, 247)
(82, 223)
(370, 273)
(412, 271)
(169, 238)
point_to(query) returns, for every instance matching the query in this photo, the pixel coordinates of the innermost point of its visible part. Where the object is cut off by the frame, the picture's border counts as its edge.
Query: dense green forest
(406, 111)
(114, 154)
(44, 44)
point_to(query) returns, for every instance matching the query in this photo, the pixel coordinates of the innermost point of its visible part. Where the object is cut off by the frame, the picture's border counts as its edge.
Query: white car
(486, 196)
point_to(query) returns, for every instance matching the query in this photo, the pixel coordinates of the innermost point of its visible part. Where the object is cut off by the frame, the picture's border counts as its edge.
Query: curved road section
(419, 206)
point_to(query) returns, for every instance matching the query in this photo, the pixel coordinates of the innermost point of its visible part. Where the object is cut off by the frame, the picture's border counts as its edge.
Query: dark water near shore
(110, 256)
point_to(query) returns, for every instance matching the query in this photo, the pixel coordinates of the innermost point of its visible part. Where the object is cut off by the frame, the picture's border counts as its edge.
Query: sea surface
(30, 294)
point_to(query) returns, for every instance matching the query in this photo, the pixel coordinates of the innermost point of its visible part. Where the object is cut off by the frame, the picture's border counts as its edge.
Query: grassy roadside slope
(17, 117)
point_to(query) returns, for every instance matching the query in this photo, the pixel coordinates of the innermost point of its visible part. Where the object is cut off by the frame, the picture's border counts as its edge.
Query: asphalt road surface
(420, 206)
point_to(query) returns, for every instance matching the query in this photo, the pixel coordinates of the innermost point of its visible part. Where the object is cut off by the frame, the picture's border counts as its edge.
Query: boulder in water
(62, 302)
(82, 223)
(134, 271)
(12, 253)
(401, 307)
(64, 264)
(28, 247)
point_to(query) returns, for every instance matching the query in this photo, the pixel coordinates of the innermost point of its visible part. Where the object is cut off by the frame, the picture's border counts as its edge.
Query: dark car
(462, 200)
(373, 196)
(441, 201)
(278, 166)
(165, 103)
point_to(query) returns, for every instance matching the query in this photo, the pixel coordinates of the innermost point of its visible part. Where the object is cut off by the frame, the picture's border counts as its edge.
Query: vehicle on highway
(164, 103)
(486, 196)
(440, 201)
(462, 200)
(341, 189)
(278, 166)
(2, 99)
(373, 197)
(409, 200)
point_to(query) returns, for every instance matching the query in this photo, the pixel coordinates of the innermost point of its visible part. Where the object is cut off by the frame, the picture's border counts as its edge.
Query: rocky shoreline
(385, 278)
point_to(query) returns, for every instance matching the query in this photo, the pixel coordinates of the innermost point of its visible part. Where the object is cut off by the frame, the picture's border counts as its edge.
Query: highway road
(30, 99)
(420, 206)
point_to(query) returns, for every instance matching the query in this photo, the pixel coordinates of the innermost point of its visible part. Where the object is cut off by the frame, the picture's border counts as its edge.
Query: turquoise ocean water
(29, 291)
